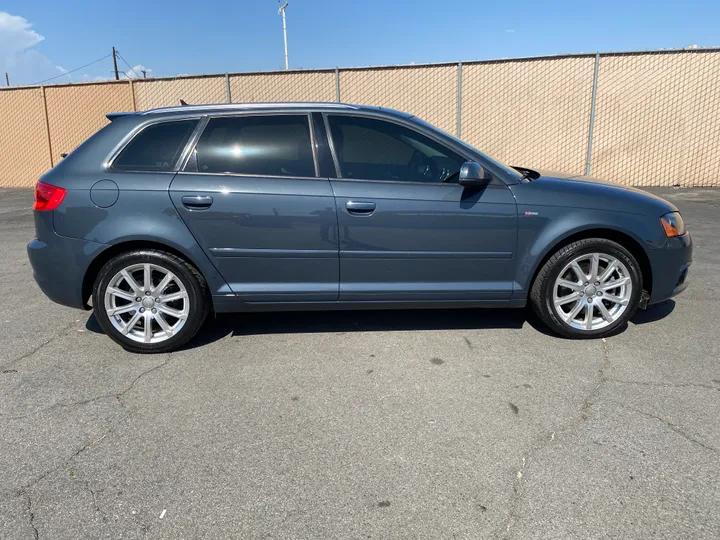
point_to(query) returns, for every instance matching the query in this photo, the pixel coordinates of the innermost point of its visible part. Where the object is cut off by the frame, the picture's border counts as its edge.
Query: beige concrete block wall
(657, 115)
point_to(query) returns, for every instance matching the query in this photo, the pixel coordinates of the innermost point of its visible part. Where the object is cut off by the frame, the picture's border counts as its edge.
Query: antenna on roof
(182, 102)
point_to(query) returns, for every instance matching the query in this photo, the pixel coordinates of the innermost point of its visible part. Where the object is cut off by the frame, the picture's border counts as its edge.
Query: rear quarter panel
(143, 212)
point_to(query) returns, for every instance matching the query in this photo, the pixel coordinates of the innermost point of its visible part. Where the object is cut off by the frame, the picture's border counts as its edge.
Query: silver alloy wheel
(592, 291)
(147, 303)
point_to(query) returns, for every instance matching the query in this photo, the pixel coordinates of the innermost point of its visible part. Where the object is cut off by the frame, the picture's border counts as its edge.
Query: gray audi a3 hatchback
(166, 216)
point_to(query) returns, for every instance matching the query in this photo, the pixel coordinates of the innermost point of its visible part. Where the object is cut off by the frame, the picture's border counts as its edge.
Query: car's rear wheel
(150, 301)
(588, 289)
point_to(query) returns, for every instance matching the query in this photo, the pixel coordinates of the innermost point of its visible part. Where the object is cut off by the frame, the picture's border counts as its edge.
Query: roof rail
(240, 106)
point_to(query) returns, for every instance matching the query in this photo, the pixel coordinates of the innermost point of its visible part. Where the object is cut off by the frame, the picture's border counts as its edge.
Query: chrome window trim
(243, 175)
(117, 150)
(209, 117)
(399, 122)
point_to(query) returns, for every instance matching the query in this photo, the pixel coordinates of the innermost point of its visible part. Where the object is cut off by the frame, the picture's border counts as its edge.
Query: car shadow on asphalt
(268, 323)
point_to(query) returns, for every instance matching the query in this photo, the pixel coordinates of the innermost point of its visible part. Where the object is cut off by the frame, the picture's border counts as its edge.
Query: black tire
(541, 293)
(192, 280)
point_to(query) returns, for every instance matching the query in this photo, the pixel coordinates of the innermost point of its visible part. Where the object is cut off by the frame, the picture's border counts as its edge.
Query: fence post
(132, 95)
(337, 85)
(459, 100)
(592, 115)
(227, 88)
(47, 126)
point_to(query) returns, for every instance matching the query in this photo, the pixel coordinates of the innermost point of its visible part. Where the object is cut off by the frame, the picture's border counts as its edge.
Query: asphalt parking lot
(433, 424)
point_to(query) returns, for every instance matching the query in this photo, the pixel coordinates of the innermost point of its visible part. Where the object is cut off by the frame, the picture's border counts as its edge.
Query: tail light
(48, 197)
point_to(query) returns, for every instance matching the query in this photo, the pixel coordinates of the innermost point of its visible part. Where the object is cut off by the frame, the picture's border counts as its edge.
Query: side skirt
(229, 304)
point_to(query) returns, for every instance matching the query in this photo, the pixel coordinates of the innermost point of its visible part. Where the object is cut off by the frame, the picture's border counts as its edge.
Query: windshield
(499, 165)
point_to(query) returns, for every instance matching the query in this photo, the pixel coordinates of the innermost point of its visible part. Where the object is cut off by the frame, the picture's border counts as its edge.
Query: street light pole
(281, 11)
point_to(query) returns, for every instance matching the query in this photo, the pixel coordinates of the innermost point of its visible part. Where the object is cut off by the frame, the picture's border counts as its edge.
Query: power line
(126, 63)
(74, 70)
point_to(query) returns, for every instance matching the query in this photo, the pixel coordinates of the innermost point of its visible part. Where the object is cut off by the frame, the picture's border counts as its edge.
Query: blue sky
(172, 37)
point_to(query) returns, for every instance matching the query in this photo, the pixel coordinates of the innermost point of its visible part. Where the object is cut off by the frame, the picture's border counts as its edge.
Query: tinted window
(257, 145)
(372, 149)
(156, 148)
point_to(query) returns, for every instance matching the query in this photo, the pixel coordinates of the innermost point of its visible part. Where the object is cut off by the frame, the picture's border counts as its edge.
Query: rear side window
(257, 145)
(156, 148)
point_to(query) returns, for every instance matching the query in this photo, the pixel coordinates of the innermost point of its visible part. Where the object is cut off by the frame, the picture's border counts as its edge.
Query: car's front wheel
(588, 288)
(150, 301)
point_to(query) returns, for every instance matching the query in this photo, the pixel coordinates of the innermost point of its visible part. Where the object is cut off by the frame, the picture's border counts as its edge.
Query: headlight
(673, 224)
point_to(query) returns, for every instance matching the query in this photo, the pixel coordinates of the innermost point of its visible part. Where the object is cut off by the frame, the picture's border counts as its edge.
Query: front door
(252, 199)
(408, 231)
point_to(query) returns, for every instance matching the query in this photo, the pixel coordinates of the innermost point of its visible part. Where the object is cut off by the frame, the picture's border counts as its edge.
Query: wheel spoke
(147, 277)
(567, 299)
(582, 276)
(570, 285)
(120, 310)
(574, 311)
(174, 296)
(131, 323)
(614, 284)
(121, 294)
(163, 324)
(594, 264)
(148, 327)
(604, 312)
(172, 312)
(130, 281)
(616, 299)
(608, 271)
(163, 283)
(588, 316)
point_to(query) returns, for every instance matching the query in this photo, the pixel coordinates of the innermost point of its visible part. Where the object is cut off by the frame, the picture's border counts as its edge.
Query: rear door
(408, 230)
(251, 196)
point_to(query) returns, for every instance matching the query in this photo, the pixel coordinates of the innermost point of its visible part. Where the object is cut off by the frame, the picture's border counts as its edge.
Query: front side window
(257, 145)
(371, 149)
(156, 148)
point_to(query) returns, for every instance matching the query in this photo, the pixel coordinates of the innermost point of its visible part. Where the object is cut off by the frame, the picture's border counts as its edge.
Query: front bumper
(59, 265)
(670, 266)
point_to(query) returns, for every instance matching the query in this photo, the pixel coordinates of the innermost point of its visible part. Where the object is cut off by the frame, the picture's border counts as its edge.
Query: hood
(586, 192)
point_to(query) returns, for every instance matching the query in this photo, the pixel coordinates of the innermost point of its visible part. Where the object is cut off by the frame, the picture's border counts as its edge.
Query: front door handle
(197, 202)
(360, 208)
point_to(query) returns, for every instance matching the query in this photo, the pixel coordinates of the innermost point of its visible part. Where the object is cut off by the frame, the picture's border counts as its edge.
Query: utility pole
(114, 54)
(281, 11)
(7, 79)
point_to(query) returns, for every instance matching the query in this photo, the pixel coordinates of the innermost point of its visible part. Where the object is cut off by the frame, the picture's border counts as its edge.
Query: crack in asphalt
(112, 395)
(31, 516)
(35, 349)
(666, 385)
(25, 490)
(585, 416)
(546, 440)
(677, 429)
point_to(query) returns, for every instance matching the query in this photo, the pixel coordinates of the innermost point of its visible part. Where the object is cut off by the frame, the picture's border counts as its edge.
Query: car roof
(275, 106)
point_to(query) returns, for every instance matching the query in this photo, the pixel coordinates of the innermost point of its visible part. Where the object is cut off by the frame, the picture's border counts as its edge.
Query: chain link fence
(645, 119)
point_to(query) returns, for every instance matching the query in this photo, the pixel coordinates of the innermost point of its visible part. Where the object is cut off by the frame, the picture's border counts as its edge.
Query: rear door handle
(360, 208)
(197, 202)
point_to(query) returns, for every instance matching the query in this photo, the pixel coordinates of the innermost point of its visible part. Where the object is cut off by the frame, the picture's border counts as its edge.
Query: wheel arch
(123, 247)
(624, 239)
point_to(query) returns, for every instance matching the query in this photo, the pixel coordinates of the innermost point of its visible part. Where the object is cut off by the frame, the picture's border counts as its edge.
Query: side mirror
(473, 175)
